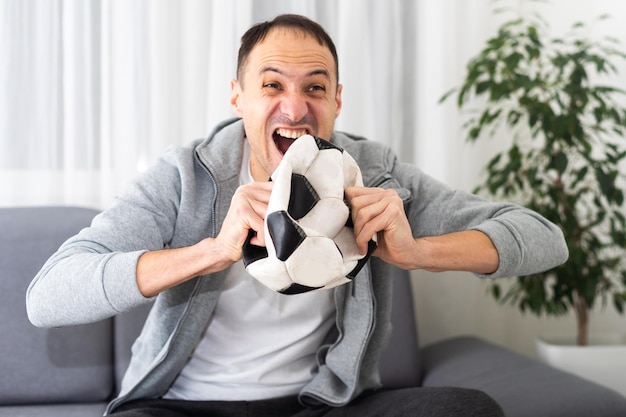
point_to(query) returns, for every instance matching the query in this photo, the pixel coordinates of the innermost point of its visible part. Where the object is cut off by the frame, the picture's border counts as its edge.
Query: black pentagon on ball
(298, 289)
(252, 253)
(285, 233)
(349, 222)
(323, 144)
(371, 246)
(303, 197)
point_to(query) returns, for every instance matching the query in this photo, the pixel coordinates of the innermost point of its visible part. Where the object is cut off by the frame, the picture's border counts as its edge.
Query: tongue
(283, 143)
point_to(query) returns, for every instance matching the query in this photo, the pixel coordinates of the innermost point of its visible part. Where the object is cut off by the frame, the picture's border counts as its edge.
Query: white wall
(455, 303)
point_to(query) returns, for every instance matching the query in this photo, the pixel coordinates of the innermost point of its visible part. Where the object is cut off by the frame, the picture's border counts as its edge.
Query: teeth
(291, 134)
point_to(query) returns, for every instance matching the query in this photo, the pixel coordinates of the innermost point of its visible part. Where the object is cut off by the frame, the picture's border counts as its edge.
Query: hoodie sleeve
(92, 276)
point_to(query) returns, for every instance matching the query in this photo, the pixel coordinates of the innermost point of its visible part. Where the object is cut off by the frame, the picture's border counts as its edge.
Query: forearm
(78, 285)
(159, 270)
(469, 250)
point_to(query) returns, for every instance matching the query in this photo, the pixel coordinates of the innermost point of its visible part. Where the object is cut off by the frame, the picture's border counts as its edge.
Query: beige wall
(451, 304)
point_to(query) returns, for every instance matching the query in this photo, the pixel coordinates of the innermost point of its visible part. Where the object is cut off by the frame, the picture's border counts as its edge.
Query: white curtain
(93, 91)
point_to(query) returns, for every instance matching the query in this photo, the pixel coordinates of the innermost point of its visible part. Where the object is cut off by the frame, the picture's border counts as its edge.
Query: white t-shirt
(259, 344)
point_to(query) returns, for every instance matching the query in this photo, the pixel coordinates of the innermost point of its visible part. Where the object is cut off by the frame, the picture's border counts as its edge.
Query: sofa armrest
(524, 387)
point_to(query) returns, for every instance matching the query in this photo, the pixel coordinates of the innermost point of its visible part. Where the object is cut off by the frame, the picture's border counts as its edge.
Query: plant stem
(582, 319)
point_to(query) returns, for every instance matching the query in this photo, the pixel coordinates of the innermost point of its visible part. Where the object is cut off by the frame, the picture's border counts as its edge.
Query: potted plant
(565, 134)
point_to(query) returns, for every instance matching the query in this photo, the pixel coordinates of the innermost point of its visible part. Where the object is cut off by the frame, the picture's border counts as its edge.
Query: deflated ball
(308, 228)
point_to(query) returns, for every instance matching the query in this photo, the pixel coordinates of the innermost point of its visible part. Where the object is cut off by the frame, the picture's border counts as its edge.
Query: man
(216, 341)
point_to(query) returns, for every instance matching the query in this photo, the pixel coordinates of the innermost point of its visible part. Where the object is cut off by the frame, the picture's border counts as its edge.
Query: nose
(294, 106)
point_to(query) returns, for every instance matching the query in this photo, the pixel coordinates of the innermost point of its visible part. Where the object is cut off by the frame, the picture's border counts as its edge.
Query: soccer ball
(308, 227)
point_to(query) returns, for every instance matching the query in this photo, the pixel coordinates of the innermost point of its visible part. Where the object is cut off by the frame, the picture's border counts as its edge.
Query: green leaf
(447, 95)
(559, 162)
(534, 36)
(580, 175)
(474, 133)
(513, 117)
(496, 291)
(483, 86)
(494, 161)
(618, 302)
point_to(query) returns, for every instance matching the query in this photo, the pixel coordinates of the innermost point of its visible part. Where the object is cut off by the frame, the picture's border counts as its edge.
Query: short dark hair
(258, 32)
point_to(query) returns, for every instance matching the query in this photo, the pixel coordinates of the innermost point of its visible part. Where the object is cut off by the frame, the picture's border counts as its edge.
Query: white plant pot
(603, 361)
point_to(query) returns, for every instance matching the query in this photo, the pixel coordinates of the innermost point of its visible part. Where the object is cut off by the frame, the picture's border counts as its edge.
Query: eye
(272, 85)
(317, 87)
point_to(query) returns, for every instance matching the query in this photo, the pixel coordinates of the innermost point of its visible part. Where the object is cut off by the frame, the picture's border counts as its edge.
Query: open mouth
(284, 138)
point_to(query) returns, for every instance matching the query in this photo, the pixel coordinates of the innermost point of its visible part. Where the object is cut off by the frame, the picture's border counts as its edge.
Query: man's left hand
(380, 212)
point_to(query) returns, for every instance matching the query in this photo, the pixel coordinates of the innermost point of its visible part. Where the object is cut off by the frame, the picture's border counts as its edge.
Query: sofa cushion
(54, 410)
(46, 365)
(524, 387)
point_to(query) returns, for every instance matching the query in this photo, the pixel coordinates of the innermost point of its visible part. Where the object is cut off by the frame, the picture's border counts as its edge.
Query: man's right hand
(247, 212)
(163, 269)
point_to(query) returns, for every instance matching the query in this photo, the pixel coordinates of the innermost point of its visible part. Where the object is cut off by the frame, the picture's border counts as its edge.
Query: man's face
(288, 89)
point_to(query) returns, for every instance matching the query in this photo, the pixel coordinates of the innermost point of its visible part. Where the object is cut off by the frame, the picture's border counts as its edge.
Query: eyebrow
(312, 73)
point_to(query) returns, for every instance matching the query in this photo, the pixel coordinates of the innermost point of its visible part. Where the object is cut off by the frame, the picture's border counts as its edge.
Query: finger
(368, 222)
(257, 196)
(367, 205)
(375, 213)
(352, 193)
(254, 223)
(254, 196)
(246, 212)
(256, 191)
(358, 198)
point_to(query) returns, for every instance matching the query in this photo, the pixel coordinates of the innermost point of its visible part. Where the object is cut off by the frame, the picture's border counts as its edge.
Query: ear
(338, 100)
(235, 97)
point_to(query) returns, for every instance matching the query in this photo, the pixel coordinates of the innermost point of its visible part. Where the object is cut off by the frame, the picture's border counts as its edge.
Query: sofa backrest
(45, 365)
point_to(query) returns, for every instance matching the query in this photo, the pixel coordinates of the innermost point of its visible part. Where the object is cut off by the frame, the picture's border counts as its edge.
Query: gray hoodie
(184, 199)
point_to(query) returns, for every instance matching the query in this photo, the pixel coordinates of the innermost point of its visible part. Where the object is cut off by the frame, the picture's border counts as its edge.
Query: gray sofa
(74, 371)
